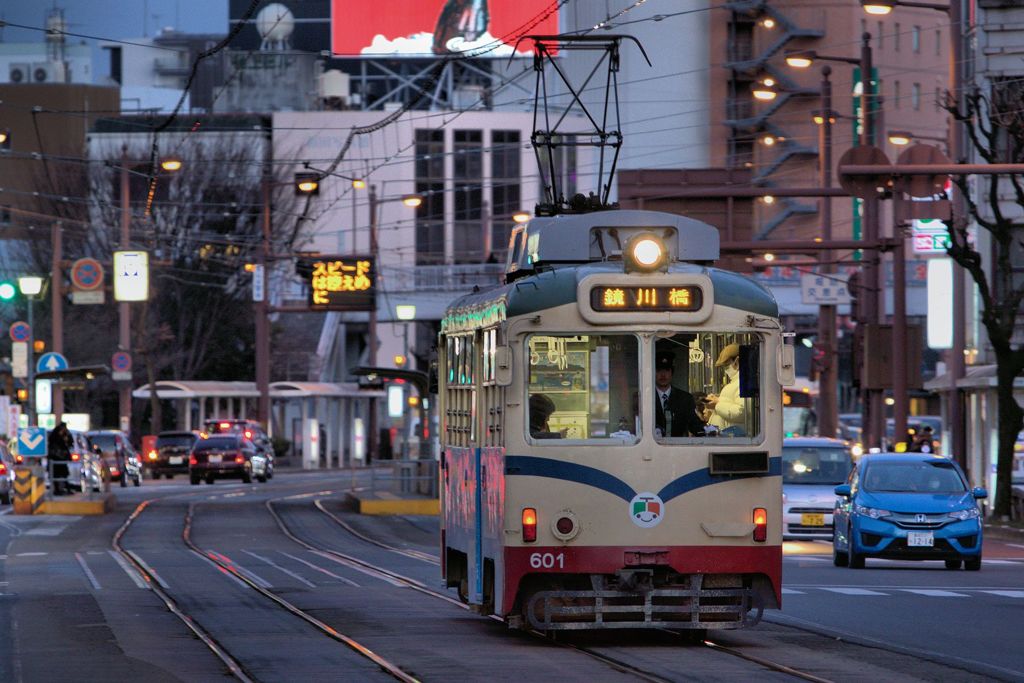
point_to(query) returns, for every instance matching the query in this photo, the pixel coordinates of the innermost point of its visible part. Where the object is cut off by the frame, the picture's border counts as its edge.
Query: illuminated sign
(632, 298)
(341, 283)
(428, 28)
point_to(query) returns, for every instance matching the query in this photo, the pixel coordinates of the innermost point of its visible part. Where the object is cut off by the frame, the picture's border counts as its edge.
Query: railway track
(422, 588)
(234, 666)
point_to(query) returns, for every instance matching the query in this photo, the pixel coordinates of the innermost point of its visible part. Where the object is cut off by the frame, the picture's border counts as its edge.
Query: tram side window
(583, 387)
(707, 385)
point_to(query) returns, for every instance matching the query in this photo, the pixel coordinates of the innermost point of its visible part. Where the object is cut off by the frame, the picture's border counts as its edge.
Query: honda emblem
(921, 519)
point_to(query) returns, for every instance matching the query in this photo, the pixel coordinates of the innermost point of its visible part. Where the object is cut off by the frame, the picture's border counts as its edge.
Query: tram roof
(556, 286)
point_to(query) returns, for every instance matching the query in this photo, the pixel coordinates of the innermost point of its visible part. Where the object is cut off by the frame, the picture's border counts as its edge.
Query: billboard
(431, 28)
(340, 283)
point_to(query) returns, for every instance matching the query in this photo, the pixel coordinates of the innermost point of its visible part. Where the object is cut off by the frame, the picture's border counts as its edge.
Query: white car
(811, 469)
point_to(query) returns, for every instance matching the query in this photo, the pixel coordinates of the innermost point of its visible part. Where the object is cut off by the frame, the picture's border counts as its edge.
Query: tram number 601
(547, 560)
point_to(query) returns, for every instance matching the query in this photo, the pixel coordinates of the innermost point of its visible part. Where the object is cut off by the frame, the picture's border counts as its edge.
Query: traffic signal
(7, 291)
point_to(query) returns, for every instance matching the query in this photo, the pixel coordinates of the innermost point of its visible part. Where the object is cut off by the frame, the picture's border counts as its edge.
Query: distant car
(118, 454)
(6, 475)
(225, 456)
(170, 456)
(811, 469)
(251, 430)
(915, 425)
(907, 506)
(86, 469)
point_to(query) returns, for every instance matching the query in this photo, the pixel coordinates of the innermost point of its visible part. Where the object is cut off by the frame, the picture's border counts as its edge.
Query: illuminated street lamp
(900, 138)
(5, 138)
(412, 200)
(520, 217)
(307, 183)
(764, 90)
(30, 285)
(171, 164)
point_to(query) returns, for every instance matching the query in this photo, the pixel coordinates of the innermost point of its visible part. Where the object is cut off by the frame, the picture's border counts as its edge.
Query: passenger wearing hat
(674, 408)
(729, 408)
(541, 408)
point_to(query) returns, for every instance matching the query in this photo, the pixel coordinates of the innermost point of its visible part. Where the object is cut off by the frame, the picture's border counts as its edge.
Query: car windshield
(105, 441)
(812, 465)
(175, 440)
(913, 477)
(217, 444)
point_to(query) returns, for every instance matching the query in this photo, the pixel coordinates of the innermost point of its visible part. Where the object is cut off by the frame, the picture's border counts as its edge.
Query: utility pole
(958, 432)
(57, 307)
(374, 437)
(263, 309)
(828, 382)
(124, 341)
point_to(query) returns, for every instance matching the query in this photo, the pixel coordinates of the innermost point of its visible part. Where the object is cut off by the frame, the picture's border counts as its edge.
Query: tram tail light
(74, 457)
(529, 525)
(192, 460)
(760, 525)
(152, 455)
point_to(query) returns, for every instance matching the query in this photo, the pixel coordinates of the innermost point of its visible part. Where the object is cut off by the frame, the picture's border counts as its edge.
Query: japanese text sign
(342, 283)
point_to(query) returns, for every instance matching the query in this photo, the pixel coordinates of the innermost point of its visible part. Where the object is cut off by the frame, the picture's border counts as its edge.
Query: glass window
(707, 386)
(915, 96)
(584, 387)
(822, 466)
(913, 477)
(468, 196)
(896, 37)
(217, 443)
(430, 177)
(915, 39)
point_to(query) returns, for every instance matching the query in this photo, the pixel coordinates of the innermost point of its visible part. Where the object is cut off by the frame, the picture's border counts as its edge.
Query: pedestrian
(58, 446)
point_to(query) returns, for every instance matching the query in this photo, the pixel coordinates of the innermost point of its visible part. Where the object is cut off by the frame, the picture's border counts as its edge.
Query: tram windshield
(584, 387)
(707, 386)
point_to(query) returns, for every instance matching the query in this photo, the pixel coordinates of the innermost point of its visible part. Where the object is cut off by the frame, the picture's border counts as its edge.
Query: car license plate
(174, 460)
(920, 539)
(216, 458)
(812, 519)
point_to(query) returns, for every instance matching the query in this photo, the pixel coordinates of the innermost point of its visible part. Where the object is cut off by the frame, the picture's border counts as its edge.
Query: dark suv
(225, 456)
(252, 431)
(170, 456)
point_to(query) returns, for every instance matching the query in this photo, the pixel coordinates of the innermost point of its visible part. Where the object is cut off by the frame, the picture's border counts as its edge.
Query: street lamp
(902, 138)
(883, 7)
(31, 286)
(5, 138)
(764, 89)
(171, 164)
(307, 183)
(520, 217)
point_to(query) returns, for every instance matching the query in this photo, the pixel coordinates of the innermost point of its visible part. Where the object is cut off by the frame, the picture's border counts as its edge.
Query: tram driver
(541, 408)
(675, 409)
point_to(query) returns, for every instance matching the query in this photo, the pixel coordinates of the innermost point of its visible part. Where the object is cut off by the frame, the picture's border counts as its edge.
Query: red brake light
(248, 434)
(74, 457)
(760, 525)
(529, 525)
(239, 458)
(114, 471)
(3, 468)
(192, 460)
(19, 459)
(152, 455)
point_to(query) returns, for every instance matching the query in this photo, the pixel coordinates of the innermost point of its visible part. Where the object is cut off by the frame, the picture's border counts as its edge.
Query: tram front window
(584, 387)
(706, 386)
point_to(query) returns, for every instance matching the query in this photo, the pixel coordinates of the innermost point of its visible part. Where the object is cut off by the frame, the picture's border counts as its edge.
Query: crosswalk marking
(88, 572)
(790, 591)
(853, 591)
(1007, 594)
(933, 593)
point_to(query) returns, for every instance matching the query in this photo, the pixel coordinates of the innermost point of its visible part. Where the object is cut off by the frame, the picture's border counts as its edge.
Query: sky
(119, 19)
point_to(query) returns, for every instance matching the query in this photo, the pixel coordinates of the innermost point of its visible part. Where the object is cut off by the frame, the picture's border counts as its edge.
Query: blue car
(907, 506)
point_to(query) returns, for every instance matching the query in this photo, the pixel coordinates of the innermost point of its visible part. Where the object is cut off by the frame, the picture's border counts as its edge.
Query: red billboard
(424, 28)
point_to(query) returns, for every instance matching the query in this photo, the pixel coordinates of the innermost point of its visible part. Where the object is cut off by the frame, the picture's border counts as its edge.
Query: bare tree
(995, 125)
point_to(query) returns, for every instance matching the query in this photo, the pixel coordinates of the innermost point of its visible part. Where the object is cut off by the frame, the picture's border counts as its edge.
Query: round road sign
(87, 274)
(20, 331)
(121, 361)
(865, 186)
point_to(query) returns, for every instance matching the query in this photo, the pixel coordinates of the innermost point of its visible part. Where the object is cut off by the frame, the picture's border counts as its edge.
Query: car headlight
(873, 513)
(968, 513)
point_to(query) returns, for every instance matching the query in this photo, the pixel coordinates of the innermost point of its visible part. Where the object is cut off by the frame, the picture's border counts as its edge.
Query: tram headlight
(645, 253)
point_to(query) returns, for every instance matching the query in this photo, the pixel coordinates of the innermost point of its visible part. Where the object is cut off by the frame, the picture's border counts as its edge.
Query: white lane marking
(352, 565)
(49, 530)
(31, 554)
(132, 573)
(258, 580)
(321, 569)
(987, 561)
(88, 572)
(790, 591)
(933, 593)
(225, 572)
(152, 572)
(281, 569)
(1015, 545)
(807, 558)
(6, 511)
(853, 591)
(1006, 594)
(3, 557)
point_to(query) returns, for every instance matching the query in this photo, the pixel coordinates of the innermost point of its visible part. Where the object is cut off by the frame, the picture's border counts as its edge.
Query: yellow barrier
(23, 490)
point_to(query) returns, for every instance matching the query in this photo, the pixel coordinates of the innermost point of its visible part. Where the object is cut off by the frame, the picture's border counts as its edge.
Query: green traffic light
(7, 291)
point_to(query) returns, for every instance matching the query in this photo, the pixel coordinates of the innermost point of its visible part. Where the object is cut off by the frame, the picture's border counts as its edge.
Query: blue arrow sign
(52, 361)
(32, 441)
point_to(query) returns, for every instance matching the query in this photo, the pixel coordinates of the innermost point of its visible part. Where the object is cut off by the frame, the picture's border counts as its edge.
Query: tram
(611, 431)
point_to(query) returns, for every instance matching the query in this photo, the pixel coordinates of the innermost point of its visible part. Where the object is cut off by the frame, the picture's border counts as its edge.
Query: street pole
(30, 355)
(263, 311)
(57, 306)
(124, 342)
(373, 441)
(958, 432)
(828, 407)
(871, 399)
(900, 355)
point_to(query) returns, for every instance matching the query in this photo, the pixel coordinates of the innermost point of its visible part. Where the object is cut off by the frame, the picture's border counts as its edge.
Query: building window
(915, 39)
(506, 179)
(430, 185)
(896, 94)
(880, 36)
(938, 42)
(915, 97)
(468, 195)
(896, 37)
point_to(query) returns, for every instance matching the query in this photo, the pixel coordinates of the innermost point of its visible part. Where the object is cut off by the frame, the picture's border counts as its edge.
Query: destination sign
(633, 298)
